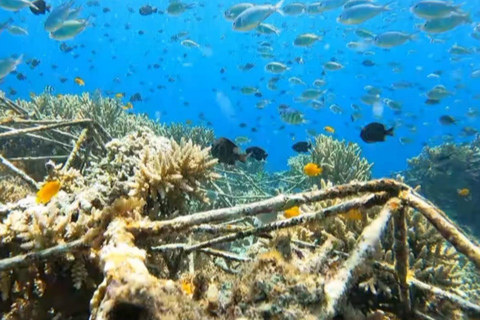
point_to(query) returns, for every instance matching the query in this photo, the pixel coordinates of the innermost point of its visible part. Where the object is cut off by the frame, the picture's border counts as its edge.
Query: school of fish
(285, 96)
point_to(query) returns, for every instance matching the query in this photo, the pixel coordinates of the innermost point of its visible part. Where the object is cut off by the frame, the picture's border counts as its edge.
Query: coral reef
(341, 162)
(151, 227)
(64, 117)
(442, 172)
(109, 113)
(138, 172)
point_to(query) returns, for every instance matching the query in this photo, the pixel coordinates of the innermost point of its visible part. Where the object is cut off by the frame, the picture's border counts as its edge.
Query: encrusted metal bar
(19, 172)
(277, 203)
(336, 287)
(401, 260)
(449, 231)
(365, 201)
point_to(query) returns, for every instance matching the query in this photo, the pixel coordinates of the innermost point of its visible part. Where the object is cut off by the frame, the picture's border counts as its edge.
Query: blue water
(107, 51)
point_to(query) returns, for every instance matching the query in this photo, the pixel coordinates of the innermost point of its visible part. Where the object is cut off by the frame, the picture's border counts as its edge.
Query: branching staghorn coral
(109, 113)
(64, 117)
(172, 175)
(201, 136)
(341, 161)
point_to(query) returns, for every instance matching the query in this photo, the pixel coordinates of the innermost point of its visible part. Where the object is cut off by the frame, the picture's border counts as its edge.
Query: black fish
(227, 152)
(375, 132)
(41, 7)
(136, 97)
(21, 76)
(302, 146)
(432, 102)
(447, 120)
(257, 153)
(147, 10)
(368, 63)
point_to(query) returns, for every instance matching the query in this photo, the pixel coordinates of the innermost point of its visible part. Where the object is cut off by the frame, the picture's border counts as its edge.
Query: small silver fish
(9, 65)
(234, 11)
(252, 17)
(69, 29)
(392, 39)
(16, 5)
(440, 25)
(306, 39)
(276, 67)
(294, 9)
(17, 31)
(432, 9)
(58, 16)
(361, 13)
(328, 5)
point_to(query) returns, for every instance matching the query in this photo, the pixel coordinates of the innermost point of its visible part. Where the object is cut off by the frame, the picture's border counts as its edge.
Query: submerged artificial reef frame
(116, 217)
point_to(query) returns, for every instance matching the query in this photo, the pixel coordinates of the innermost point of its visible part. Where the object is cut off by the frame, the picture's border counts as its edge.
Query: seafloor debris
(120, 241)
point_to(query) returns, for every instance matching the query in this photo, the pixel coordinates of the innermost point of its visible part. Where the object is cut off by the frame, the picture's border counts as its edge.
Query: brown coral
(174, 175)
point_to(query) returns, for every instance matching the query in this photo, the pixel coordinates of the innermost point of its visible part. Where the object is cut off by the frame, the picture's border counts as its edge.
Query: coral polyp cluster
(150, 227)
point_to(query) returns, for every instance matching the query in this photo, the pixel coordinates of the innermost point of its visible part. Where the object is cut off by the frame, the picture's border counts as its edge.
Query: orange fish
(292, 212)
(312, 169)
(79, 81)
(128, 106)
(187, 286)
(353, 214)
(463, 192)
(48, 191)
(329, 129)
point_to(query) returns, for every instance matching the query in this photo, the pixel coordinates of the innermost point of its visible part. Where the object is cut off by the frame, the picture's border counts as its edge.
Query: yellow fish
(128, 106)
(32, 95)
(79, 81)
(48, 191)
(119, 95)
(312, 170)
(187, 286)
(329, 129)
(59, 96)
(353, 214)
(463, 192)
(189, 122)
(292, 212)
